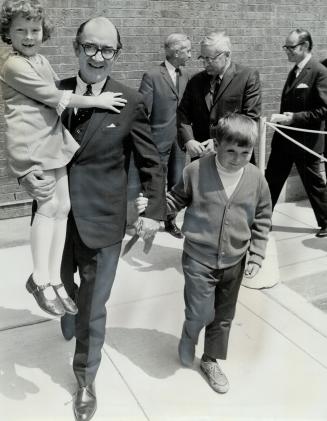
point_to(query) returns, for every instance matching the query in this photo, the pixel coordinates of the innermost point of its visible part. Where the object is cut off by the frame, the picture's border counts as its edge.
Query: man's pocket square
(302, 86)
(112, 126)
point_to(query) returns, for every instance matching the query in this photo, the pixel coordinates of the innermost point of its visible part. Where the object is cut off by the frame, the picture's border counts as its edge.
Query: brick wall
(257, 29)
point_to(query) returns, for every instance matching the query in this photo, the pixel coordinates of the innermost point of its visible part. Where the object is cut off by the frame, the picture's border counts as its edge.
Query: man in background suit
(324, 62)
(303, 105)
(98, 190)
(222, 87)
(163, 88)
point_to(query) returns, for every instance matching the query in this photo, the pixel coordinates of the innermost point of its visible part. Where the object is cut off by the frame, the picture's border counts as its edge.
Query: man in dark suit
(324, 62)
(163, 88)
(303, 105)
(222, 87)
(98, 190)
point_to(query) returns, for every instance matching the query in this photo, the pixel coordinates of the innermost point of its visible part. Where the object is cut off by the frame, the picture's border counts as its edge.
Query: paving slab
(37, 382)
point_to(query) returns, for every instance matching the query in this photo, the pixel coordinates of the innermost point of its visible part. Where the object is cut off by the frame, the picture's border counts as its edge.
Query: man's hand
(194, 148)
(251, 270)
(208, 147)
(149, 228)
(141, 203)
(285, 119)
(38, 186)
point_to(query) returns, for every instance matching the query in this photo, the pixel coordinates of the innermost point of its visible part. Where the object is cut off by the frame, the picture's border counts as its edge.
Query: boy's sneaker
(186, 352)
(216, 378)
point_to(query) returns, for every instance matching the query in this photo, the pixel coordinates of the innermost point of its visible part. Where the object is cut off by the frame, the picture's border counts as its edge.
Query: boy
(228, 216)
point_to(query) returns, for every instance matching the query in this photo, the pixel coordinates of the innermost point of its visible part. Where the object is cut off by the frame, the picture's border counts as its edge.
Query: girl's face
(26, 35)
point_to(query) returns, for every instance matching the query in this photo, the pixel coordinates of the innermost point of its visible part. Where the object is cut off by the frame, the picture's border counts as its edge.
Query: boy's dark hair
(236, 128)
(29, 9)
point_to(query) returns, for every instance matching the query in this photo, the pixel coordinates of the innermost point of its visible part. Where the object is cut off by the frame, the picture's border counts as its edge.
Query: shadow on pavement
(159, 257)
(301, 230)
(154, 352)
(316, 243)
(37, 346)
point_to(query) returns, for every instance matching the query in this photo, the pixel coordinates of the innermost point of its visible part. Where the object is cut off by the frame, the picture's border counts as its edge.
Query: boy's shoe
(186, 352)
(216, 378)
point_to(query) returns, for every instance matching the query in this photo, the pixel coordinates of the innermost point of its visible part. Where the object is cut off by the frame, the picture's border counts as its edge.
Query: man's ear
(117, 55)
(76, 48)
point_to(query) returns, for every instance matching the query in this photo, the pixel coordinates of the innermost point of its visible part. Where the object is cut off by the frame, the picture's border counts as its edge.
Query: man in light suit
(303, 105)
(98, 190)
(163, 88)
(222, 87)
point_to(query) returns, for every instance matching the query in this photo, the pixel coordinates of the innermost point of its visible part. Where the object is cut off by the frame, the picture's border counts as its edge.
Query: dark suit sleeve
(319, 111)
(147, 161)
(252, 96)
(146, 89)
(184, 117)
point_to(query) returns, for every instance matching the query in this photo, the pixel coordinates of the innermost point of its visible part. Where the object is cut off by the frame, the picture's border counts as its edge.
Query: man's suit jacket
(306, 97)
(161, 99)
(239, 91)
(98, 171)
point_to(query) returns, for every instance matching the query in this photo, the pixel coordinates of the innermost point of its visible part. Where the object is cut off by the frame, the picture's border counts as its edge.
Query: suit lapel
(96, 121)
(228, 77)
(297, 80)
(183, 79)
(167, 78)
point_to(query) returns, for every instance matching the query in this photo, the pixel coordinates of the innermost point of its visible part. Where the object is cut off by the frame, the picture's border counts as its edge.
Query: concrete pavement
(277, 362)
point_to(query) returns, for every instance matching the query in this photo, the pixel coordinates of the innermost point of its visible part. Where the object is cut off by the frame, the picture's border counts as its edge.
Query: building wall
(257, 29)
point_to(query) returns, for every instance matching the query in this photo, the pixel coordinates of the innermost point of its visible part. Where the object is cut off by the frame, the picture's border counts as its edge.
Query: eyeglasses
(91, 50)
(211, 59)
(292, 47)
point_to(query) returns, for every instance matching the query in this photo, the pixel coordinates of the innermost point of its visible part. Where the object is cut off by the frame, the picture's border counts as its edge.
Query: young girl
(36, 140)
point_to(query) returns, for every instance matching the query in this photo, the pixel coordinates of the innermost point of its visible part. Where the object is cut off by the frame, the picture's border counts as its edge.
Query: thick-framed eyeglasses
(91, 50)
(211, 59)
(292, 47)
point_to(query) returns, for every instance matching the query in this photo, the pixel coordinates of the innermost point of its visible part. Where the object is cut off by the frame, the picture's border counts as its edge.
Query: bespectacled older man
(303, 105)
(223, 86)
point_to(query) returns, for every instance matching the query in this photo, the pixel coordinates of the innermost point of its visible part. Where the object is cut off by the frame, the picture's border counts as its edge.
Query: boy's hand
(110, 100)
(141, 203)
(251, 270)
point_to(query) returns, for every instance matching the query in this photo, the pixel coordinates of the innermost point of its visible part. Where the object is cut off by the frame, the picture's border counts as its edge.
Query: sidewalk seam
(127, 385)
(283, 335)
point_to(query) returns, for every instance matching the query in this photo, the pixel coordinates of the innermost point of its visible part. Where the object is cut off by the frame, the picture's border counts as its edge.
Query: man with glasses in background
(162, 88)
(98, 191)
(303, 105)
(222, 87)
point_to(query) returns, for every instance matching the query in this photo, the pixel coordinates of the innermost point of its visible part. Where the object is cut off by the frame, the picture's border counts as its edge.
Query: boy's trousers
(210, 300)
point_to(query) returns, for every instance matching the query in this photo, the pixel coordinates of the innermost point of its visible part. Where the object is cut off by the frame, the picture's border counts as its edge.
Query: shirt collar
(96, 87)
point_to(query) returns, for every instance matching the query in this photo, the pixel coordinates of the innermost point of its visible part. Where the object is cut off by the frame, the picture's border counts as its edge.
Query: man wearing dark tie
(162, 88)
(223, 86)
(98, 193)
(303, 105)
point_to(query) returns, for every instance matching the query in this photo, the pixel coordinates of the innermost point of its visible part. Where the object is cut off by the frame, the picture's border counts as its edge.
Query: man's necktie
(214, 87)
(178, 73)
(292, 76)
(84, 114)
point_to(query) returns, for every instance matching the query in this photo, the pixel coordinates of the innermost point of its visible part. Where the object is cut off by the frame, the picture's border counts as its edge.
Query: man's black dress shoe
(85, 403)
(322, 232)
(68, 304)
(67, 323)
(173, 229)
(53, 307)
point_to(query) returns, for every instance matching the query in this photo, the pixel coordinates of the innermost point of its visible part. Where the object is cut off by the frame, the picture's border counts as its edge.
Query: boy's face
(231, 156)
